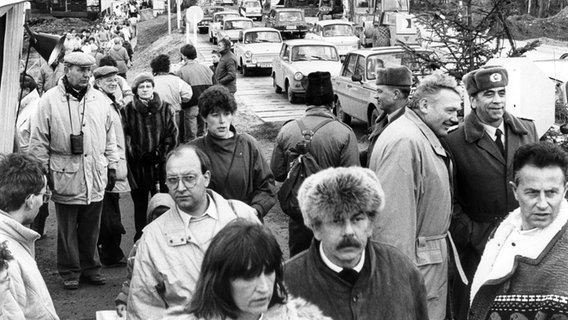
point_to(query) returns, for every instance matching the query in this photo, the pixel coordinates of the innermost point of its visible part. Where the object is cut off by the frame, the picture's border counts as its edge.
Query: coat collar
(91, 94)
(18, 233)
(32, 96)
(154, 105)
(474, 131)
(321, 111)
(427, 132)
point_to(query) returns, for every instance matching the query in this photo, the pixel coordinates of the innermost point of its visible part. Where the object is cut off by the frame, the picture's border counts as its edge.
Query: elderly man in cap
(393, 88)
(106, 80)
(333, 145)
(522, 273)
(344, 272)
(75, 140)
(483, 148)
(413, 166)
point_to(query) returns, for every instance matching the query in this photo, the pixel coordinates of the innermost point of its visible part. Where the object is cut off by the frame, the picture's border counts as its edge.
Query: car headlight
(248, 54)
(298, 76)
(253, 61)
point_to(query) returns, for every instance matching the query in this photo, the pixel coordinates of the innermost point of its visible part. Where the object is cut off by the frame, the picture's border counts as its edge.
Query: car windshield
(263, 37)
(393, 59)
(290, 16)
(238, 24)
(337, 30)
(221, 17)
(362, 3)
(251, 4)
(314, 53)
(210, 11)
(395, 5)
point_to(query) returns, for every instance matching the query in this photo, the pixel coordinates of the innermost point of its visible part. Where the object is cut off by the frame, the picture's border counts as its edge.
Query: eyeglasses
(188, 180)
(46, 196)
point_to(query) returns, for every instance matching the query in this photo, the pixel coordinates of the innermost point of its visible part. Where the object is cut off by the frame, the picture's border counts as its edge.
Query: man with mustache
(482, 148)
(172, 247)
(344, 272)
(413, 167)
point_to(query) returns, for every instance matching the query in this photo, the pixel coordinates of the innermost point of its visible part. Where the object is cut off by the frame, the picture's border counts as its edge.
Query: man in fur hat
(413, 167)
(482, 148)
(333, 145)
(393, 88)
(345, 273)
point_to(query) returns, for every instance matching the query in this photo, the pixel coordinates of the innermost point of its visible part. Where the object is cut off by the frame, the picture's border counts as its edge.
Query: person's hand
(121, 310)
(111, 179)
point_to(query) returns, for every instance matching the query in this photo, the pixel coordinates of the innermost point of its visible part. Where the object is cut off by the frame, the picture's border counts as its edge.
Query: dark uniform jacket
(482, 189)
(226, 71)
(388, 287)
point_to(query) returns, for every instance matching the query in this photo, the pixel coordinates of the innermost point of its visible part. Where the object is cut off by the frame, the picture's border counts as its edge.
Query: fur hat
(486, 78)
(144, 76)
(394, 76)
(80, 59)
(319, 90)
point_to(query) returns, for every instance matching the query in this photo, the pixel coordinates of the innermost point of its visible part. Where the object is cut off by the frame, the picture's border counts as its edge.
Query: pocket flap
(176, 238)
(64, 163)
(429, 254)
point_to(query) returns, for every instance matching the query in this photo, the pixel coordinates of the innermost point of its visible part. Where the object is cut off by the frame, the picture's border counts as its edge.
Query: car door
(360, 91)
(345, 84)
(277, 65)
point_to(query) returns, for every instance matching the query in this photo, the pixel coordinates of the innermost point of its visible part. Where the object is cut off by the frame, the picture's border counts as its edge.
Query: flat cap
(484, 79)
(105, 71)
(394, 76)
(80, 59)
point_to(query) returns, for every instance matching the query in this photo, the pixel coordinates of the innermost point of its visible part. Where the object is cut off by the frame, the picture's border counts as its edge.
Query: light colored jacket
(122, 168)
(27, 286)
(168, 260)
(409, 160)
(77, 178)
(28, 109)
(172, 89)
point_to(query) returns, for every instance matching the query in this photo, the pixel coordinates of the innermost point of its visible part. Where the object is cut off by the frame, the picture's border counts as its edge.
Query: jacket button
(355, 299)
(171, 241)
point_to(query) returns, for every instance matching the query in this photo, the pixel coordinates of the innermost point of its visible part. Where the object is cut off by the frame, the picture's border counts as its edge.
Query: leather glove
(111, 179)
(151, 158)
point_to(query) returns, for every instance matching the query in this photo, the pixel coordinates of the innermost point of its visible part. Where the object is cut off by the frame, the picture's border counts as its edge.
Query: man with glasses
(171, 249)
(23, 190)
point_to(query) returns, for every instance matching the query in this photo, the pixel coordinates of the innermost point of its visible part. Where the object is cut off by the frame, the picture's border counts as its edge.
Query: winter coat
(119, 53)
(293, 309)
(226, 70)
(482, 189)
(26, 115)
(122, 168)
(77, 178)
(534, 285)
(172, 89)
(9, 308)
(198, 76)
(411, 163)
(333, 145)
(239, 171)
(27, 286)
(388, 287)
(150, 132)
(49, 77)
(170, 259)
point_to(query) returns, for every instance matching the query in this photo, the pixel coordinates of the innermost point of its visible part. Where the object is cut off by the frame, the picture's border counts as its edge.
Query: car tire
(564, 56)
(340, 113)
(277, 88)
(291, 96)
(210, 38)
(373, 115)
(215, 40)
(245, 71)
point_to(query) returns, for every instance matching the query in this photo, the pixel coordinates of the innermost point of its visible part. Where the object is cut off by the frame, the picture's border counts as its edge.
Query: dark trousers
(192, 124)
(299, 237)
(77, 234)
(111, 230)
(39, 222)
(140, 199)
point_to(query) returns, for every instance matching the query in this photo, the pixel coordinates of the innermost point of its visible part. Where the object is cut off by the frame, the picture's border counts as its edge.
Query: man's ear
(472, 105)
(207, 176)
(514, 187)
(423, 106)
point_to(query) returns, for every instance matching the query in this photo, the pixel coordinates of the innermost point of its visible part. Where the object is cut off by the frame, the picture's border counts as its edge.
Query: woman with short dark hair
(242, 278)
(238, 169)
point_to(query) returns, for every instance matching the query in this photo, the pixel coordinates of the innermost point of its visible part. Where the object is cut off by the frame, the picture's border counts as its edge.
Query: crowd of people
(428, 223)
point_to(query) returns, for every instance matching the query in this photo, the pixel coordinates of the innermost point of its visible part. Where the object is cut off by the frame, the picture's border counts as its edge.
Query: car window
(360, 68)
(285, 53)
(263, 36)
(238, 24)
(395, 5)
(337, 30)
(251, 4)
(349, 64)
(385, 60)
(290, 16)
(314, 53)
(361, 3)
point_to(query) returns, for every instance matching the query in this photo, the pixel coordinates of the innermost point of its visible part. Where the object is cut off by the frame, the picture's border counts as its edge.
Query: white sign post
(193, 15)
